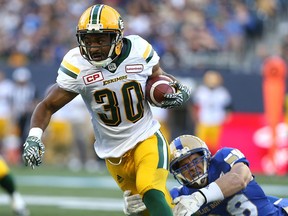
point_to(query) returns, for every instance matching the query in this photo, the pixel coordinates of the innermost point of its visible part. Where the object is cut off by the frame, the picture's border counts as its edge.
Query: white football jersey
(114, 95)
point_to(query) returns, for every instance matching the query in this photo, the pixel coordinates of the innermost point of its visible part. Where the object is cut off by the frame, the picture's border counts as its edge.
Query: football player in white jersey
(110, 71)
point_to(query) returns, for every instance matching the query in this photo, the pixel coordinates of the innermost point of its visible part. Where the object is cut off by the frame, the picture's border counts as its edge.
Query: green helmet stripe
(95, 14)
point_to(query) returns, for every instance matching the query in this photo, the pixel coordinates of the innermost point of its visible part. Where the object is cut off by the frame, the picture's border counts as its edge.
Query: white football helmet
(181, 148)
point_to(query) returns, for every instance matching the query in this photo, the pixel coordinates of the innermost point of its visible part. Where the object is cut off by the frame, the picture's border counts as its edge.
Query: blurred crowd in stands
(184, 32)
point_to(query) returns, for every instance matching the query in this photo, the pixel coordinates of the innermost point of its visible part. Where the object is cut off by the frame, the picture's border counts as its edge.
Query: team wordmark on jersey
(92, 78)
(208, 208)
(114, 80)
(135, 68)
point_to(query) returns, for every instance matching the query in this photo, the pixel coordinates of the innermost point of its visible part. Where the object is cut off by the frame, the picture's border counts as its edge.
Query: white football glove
(188, 205)
(33, 151)
(133, 204)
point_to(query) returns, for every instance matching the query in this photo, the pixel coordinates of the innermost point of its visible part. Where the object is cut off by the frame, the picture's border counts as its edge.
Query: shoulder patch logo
(135, 68)
(112, 67)
(92, 78)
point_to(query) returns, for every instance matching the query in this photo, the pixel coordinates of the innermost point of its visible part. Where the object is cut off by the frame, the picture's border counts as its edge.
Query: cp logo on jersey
(92, 78)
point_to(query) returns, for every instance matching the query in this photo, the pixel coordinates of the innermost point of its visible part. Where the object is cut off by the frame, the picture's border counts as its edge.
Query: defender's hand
(188, 205)
(133, 204)
(33, 151)
(177, 99)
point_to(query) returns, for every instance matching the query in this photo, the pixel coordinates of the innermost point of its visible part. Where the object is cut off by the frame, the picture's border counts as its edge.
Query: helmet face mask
(96, 46)
(190, 161)
(99, 35)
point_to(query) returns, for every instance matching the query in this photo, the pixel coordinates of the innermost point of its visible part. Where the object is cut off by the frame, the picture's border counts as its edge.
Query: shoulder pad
(144, 48)
(69, 64)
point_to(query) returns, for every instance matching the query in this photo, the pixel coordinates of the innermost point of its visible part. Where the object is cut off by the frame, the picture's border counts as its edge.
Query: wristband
(212, 192)
(36, 132)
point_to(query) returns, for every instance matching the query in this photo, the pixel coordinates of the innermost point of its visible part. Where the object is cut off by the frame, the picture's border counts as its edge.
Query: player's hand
(188, 205)
(177, 99)
(33, 151)
(133, 204)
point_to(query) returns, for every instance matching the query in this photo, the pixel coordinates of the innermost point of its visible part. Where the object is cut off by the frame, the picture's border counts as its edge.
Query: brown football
(157, 87)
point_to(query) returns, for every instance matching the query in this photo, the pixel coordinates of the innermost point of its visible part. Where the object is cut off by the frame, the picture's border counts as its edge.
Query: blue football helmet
(189, 170)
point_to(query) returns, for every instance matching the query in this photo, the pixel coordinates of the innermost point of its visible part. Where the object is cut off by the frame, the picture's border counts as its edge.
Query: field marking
(70, 202)
(90, 203)
(108, 183)
(67, 181)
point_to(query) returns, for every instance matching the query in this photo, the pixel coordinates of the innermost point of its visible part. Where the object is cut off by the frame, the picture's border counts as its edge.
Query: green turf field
(53, 191)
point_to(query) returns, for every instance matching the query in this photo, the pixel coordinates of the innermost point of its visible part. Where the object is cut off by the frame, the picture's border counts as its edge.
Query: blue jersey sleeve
(223, 161)
(249, 201)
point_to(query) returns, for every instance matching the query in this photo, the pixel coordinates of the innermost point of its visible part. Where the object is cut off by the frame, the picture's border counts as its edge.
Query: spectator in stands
(9, 143)
(6, 87)
(24, 99)
(26, 27)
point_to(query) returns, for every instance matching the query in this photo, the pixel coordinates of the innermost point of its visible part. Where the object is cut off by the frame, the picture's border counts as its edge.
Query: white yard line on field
(108, 183)
(90, 203)
(69, 202)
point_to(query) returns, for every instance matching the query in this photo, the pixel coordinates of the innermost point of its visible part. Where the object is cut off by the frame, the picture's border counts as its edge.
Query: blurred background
(233, 55)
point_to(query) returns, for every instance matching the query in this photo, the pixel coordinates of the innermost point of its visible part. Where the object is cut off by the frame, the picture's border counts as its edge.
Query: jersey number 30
(130, 91)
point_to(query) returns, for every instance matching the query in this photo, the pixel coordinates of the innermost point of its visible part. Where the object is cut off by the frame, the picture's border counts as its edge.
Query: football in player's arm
(110, 71)
(218, 185)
